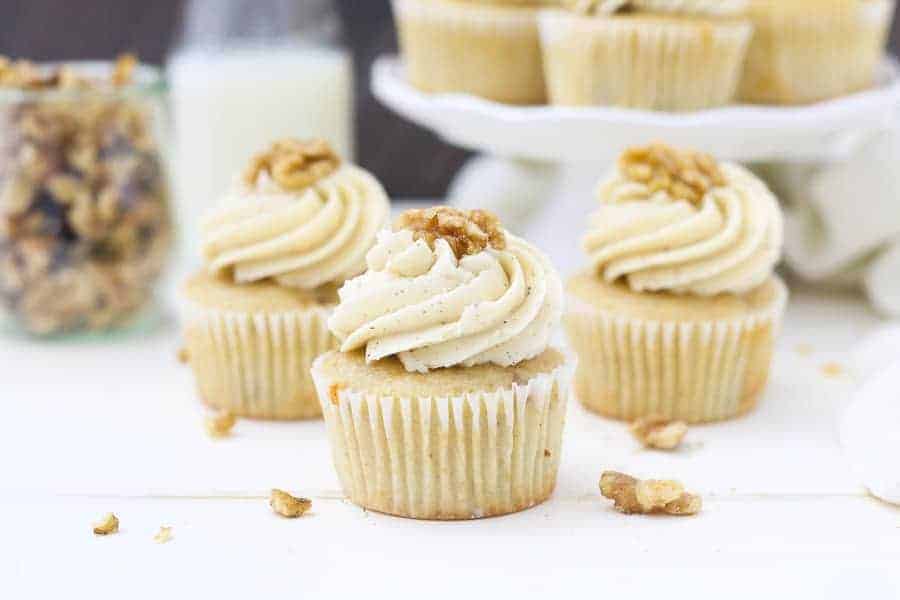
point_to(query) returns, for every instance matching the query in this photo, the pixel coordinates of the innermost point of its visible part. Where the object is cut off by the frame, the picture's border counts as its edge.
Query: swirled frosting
(675, 221)
(305, 235)
(672, 7)
(432, 308)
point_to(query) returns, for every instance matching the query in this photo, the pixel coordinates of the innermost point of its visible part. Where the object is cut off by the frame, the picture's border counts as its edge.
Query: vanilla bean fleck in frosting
(450, 287)
(686, 7)
(297, 215)
(677, 221)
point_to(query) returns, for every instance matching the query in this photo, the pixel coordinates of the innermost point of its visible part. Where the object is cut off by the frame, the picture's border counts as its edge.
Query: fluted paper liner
(805, 56)
(462, 47)
(699, 371)
(257, 365)
(449, 457)
(642, 63)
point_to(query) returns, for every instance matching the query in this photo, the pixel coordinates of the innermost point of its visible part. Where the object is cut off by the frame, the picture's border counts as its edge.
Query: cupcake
(487, 48)
(678, 312)
(446, 400)
(807, 51)
(277, 247)
(675, 55)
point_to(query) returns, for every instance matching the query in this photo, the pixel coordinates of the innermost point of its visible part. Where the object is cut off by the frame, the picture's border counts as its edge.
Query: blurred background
(408, 160)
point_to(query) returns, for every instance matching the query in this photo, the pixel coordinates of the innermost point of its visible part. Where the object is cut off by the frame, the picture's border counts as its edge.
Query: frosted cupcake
(669, 55)
(446, 400)
(487, 48)
(805, 51)
(678, 313)
(295, 226)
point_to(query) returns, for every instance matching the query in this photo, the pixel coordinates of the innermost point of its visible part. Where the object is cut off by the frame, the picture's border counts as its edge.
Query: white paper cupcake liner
(821, 53)
(700, 371)
(462, 47)
(257, 365)
(641, 63)
(448, 457)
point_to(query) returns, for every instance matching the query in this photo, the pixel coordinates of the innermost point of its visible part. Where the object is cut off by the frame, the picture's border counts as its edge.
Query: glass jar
(84, 217)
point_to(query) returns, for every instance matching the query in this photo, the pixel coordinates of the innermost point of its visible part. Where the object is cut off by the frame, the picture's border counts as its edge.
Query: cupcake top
(677, 221)
(298, 215)
(448, 287)
(672, 7)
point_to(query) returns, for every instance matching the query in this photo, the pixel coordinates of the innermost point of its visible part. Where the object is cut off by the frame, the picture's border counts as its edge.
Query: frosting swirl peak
(676, 221)
(434, 306)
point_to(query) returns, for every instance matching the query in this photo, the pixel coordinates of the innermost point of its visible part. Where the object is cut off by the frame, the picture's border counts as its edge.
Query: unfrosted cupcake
(487, 48)
(809, 50)
(670, 55)
(295, 226)
(446, 400)
(678, 313)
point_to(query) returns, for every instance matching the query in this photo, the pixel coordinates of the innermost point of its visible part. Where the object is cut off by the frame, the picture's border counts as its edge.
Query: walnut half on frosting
(683, 174)
(467, 231)
(294, 164)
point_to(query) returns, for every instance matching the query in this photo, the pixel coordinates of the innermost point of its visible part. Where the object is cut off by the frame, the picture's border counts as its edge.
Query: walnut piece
(467, 231)
(163, 535)
(25, 75)
(220, 424)
(288, 506)
(683, 174)
(651, 496)
(294, 164)
(109, 524)
(658, 432)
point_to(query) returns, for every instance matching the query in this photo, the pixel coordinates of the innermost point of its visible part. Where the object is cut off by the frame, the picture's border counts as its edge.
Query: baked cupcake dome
(655, 55)
(487, 48)
(805, 51)
(678, 314)
(297, 224)
(446, 401)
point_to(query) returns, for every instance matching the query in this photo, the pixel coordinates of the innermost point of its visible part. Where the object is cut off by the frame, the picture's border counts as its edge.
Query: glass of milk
(248, 72)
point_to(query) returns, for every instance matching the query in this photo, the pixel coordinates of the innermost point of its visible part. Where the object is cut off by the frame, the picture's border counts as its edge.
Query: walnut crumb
(334, 393)
(220, 425)
(683, 174)
(651, 496)
(163, 535)
(109, 524)
(547, 453)
(288, 506)
(294, 164)
(183, 356)
(658, 432)
(467, 231)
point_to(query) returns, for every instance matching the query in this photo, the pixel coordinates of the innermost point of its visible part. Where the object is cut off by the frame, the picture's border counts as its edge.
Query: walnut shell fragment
(658, 432)
(288, 506)
(646, 497)
(108, 525)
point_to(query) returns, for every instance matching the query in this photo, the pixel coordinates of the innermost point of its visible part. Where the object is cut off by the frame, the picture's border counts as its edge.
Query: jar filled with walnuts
(84, 215)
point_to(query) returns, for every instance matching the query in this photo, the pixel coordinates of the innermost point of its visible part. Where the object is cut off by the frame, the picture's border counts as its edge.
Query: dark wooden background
(410, 161)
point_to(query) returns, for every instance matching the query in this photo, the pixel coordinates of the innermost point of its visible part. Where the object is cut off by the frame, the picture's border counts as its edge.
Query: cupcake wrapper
(257, 365)
(458, 457)
(693, 371)
(671, 66)
(815, 55)
(488, 51)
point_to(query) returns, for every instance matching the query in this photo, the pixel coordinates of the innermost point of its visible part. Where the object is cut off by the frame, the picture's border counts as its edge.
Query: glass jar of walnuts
(84, 217)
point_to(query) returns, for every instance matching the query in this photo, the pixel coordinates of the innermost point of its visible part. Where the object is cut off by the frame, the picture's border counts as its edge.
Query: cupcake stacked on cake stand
(746, 81)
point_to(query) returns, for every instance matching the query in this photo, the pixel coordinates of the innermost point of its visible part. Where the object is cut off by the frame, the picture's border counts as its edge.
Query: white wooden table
(91, 427)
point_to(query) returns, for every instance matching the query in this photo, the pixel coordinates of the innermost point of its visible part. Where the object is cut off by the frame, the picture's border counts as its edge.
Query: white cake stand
(522, 148)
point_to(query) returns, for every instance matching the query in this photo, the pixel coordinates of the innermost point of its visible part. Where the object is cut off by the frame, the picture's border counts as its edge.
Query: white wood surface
(113, 425)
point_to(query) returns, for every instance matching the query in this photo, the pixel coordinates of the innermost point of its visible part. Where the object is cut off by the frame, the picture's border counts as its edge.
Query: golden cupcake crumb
(163, 535)
(294, 164)
(651, 496)
(466, 231)
(220, 424)
(832, 370)
(683, 174)
(109, 524)
(183, 356)
(288, 506)
(658, 432)
(334, 393)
